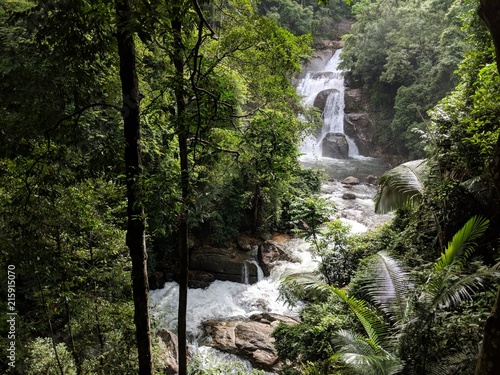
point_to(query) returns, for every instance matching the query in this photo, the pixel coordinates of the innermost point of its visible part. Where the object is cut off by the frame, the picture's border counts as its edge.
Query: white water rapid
(225, 299)
(330, 78)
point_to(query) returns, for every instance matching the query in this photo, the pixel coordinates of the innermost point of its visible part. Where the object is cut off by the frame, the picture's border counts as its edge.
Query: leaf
(401, 186)
(388, 283)
(374, 325)
(463, 242)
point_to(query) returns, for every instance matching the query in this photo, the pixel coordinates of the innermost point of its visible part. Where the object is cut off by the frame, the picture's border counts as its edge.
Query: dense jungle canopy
(133, 131)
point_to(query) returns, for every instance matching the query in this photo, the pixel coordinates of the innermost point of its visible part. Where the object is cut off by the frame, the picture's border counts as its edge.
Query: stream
(225, 299)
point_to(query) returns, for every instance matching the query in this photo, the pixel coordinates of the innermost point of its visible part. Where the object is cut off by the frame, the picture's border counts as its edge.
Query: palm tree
(396, 311)
(402, 186)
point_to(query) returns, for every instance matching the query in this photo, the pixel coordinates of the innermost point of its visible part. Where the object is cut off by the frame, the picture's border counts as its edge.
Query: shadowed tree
(136, 227)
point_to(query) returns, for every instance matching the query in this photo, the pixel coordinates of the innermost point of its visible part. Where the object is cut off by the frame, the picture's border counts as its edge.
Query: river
(224, 299)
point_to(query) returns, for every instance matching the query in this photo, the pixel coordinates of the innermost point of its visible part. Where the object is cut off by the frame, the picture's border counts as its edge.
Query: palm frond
(373, 324)
(478, 188)
(364, 357)
(401, 186)
(452, 290)
(298, 286)
(463, 242)
(387, 283)
(456, 363)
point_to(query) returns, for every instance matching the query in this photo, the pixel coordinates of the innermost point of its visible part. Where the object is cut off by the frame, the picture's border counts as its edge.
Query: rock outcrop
(250, 339)
(353, 101)
(334, 145)
(167, 341)
(359, 127)
(226, 264)
(351, 180)
(270, 252)
(348, 196)
(322, 96)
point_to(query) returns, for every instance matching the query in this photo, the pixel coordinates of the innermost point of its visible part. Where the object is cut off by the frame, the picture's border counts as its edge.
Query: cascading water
(225, 299)
(329, 80)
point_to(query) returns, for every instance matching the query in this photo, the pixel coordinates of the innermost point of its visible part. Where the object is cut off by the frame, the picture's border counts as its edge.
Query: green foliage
(404, 54)
(42, 358)
(320, 19)
(339, 256)
(311, 340)
(402, 313)
(309, 214)
(401, 186)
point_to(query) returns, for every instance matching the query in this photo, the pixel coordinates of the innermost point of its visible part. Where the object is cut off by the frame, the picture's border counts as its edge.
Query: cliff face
(357, 122)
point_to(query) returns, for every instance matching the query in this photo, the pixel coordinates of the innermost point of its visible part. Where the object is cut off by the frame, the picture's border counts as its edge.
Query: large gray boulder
(322, 97)
(359, 127)
(250, 339)
(334, 145)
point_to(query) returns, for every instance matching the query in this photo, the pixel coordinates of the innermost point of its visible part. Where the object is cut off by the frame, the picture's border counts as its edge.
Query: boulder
(348, 196)
(226, 264)
(334, 145)
(322, 97)
(167, 341)
(250, 339)
(371, 180)
(359, 127)
(271, 252)
(350, 181)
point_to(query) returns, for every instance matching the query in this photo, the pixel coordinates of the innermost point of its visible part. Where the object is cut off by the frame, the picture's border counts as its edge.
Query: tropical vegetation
(133, 130)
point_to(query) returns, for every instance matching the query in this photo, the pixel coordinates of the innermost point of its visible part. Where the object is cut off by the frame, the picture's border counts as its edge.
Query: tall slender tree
(136, 227)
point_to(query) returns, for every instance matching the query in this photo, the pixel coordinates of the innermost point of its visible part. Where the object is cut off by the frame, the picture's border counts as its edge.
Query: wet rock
(359, 127)
(334, 145)
(322, 96)
(244, 244)
(350, 181)
(250, 339)
(271, 252)
(348, 196)
(200, 279)
(226, 264)
(371, 179)
(167, 341)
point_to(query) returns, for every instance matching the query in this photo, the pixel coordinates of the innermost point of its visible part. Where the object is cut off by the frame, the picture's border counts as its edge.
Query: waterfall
(244, 274)
(332, 79)
(226, 299)
(260, 273)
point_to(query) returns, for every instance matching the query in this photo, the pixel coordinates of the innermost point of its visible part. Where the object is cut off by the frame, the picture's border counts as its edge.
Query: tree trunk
(488, 362)
(182, 131)
(135, 239)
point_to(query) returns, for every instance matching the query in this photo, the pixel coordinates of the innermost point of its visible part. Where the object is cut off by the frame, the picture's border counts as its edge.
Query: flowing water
(328, 77)
(224, 299)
